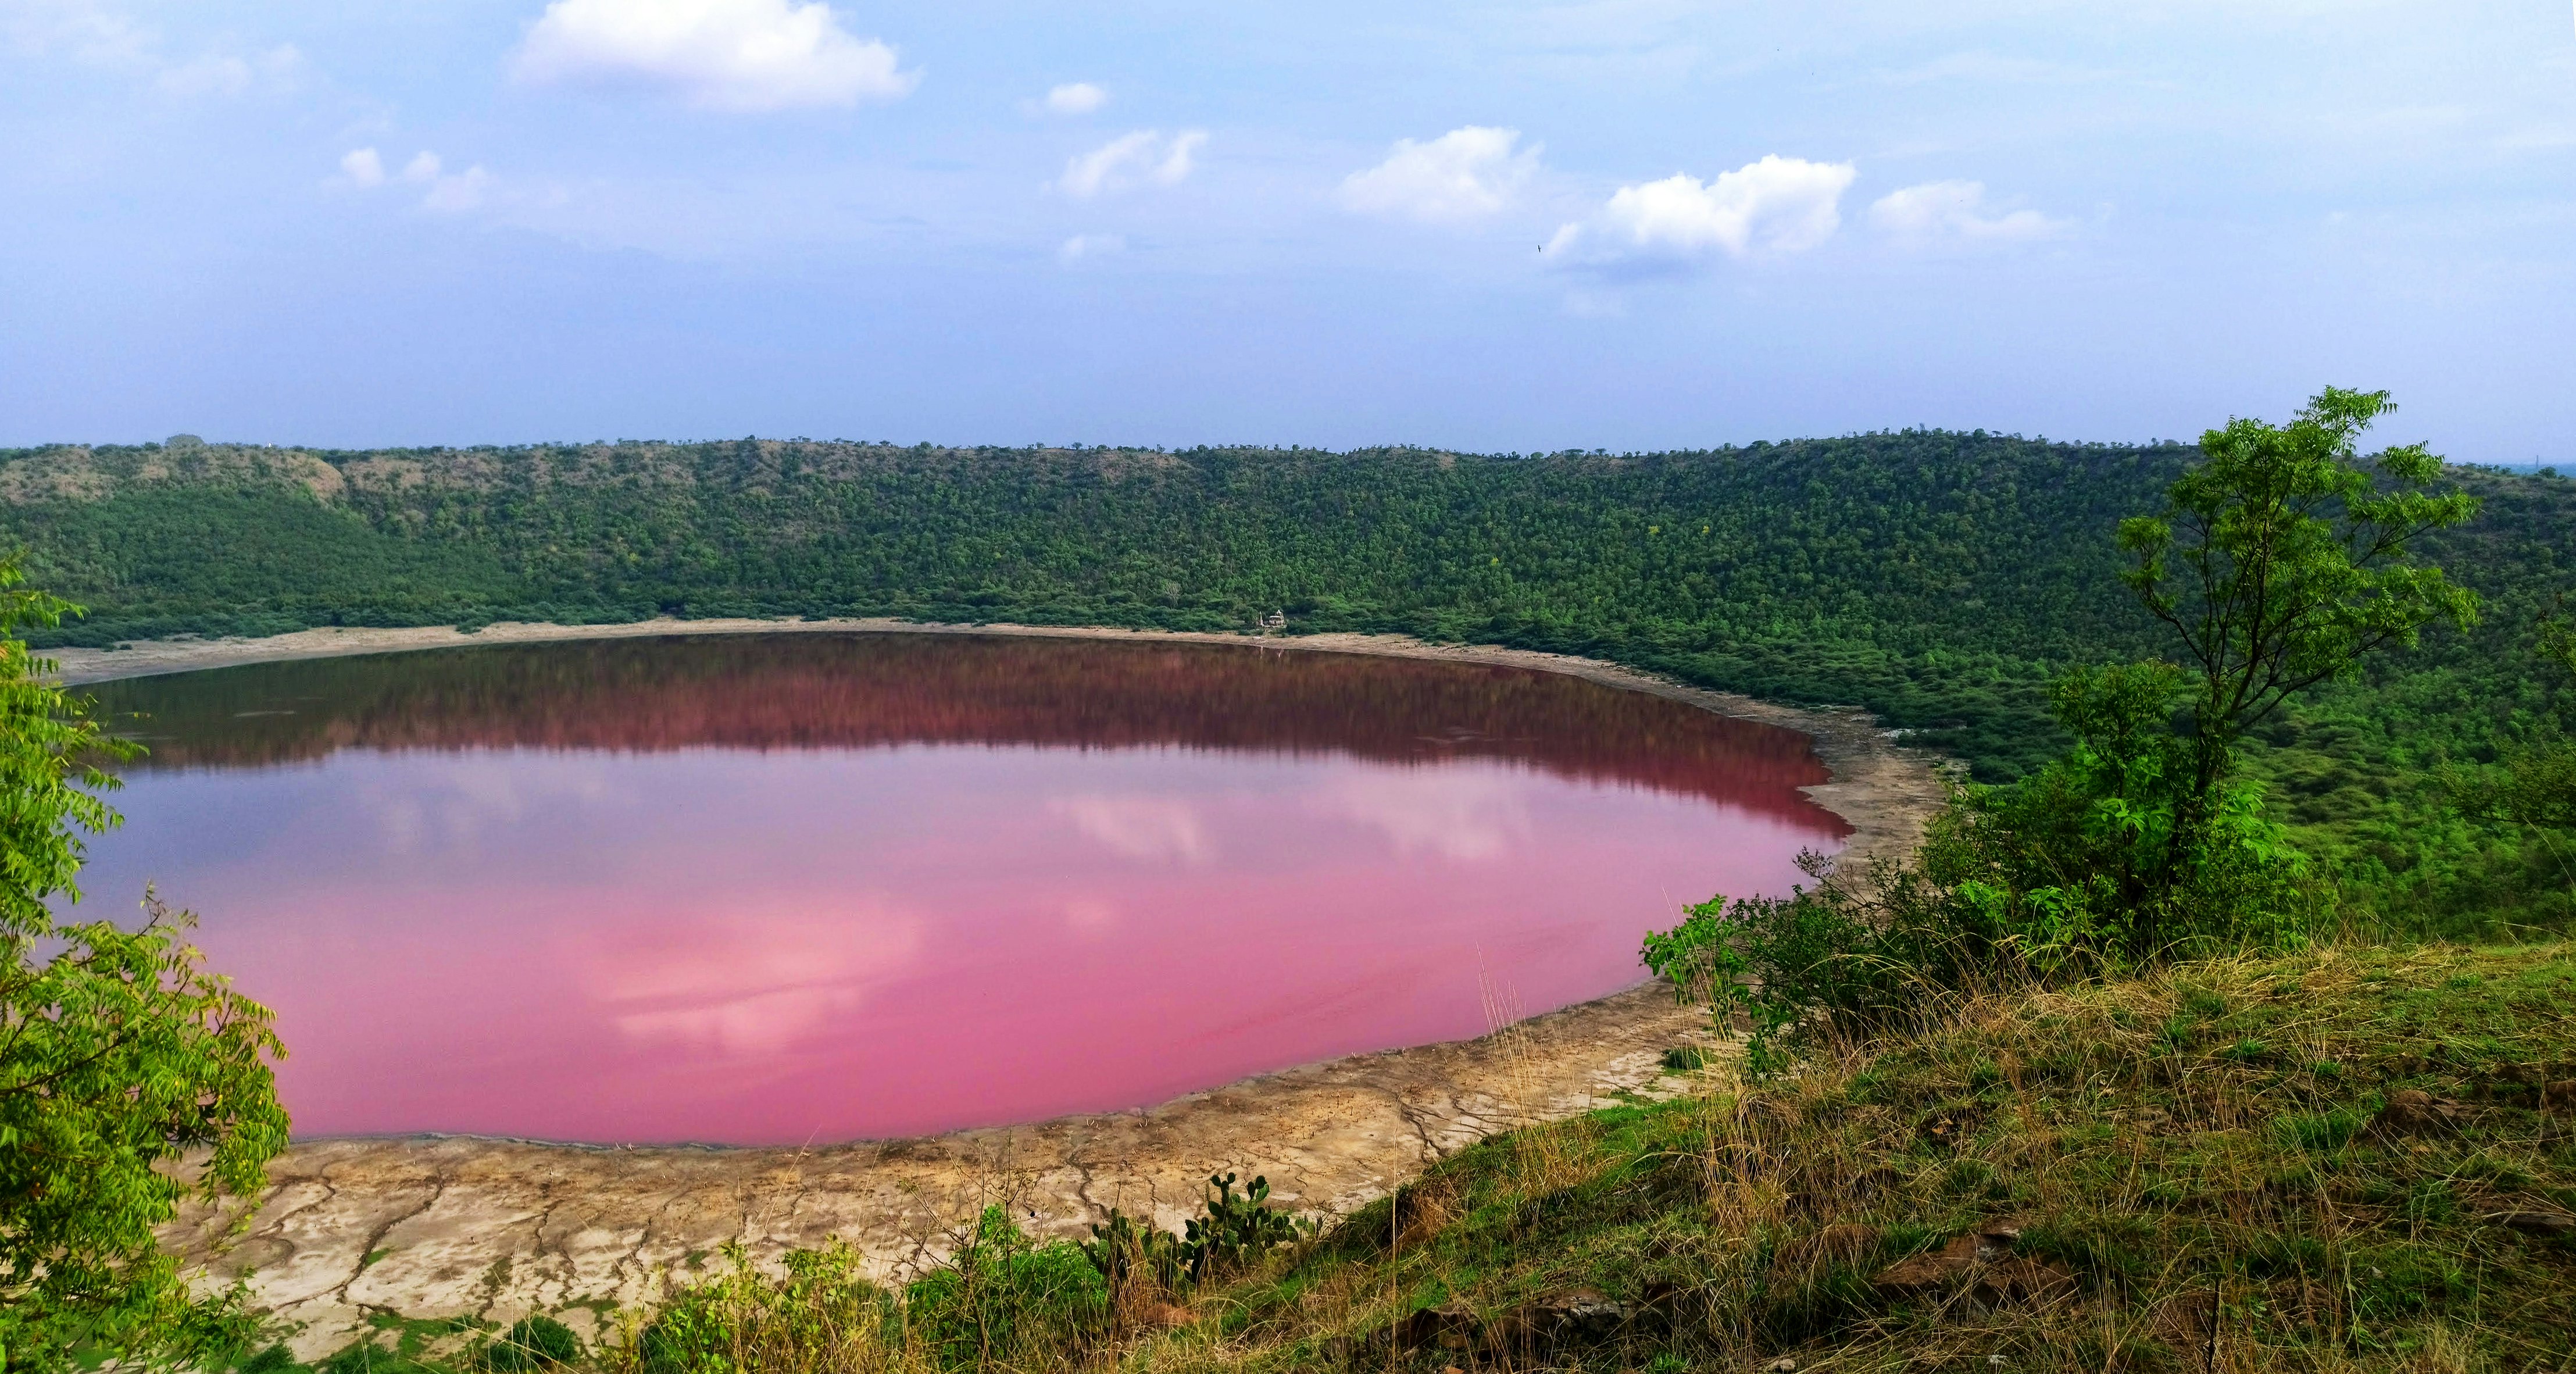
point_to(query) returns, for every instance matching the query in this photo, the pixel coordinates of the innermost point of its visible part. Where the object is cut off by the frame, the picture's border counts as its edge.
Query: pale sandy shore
(447, 1225)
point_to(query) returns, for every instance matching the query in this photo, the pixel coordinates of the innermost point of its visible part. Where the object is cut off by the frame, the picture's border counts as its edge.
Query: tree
(2280, 562)
(131, 1078)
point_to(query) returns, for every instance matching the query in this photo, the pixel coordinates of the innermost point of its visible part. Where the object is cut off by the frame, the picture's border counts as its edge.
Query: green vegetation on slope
(2236, 1131)
(1938, 579)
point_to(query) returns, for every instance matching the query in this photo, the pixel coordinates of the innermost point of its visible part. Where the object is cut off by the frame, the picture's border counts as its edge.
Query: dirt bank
(445, 1226)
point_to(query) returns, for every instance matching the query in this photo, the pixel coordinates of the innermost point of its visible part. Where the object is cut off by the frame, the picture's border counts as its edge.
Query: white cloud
(1082, 246)
(746, 55)
(446, 193)
(1075, 98)
(1462, 174)
(1132, 160)
(1956, 212)
(1780, 204)
(1771, 208)
(363, 166)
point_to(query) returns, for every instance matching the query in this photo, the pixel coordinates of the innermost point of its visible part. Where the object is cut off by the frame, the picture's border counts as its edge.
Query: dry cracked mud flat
(447, 1226)
(450, 1226)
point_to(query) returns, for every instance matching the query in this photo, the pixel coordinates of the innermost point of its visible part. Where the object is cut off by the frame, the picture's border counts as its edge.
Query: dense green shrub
(817, 1315)
(1002, 1294)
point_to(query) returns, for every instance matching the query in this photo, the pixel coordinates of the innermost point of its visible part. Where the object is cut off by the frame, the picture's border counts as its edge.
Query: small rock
(1997, 1238)
(1984, 1256)
(1928, 1273)
(2410, 1111)
(2550, 1224)
(1578, 1316)
(2021, 1280)
(1450, 1326)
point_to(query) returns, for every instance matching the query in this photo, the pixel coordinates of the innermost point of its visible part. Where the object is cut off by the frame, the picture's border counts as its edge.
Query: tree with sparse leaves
(2280, 562)
(131, 1078)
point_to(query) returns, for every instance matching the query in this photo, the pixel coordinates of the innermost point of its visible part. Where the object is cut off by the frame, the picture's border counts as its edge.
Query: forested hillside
(1935, 578)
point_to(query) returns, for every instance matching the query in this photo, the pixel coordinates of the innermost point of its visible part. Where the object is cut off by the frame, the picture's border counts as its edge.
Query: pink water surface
(663, 936)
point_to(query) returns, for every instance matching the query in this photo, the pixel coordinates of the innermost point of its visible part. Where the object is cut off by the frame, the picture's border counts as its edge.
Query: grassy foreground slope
(1935, 578)
(2342, 1160)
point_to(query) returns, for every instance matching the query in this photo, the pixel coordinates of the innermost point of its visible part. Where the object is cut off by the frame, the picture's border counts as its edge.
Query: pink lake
(810, 888)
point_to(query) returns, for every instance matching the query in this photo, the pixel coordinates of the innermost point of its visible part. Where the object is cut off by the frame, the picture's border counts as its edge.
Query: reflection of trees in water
(858, 691)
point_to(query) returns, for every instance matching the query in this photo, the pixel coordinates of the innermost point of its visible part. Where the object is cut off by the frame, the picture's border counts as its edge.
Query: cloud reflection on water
(741, 981)
(1459, 815)
(1149, 828)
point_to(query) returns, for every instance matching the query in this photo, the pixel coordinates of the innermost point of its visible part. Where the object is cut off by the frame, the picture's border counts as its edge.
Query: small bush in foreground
(532, 1343)
(999, 1300)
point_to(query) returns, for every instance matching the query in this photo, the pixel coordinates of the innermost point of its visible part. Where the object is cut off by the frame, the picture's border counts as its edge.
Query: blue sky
(1594, 223)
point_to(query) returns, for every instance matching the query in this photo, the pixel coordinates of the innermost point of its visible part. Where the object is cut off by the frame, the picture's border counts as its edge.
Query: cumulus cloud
(745, 55)
(1462, 174)
(1776, 206)
(1956, 212)
(442, 191)
(1132, 160)
(1780, 204)
(1075, 98)
(1082, 246)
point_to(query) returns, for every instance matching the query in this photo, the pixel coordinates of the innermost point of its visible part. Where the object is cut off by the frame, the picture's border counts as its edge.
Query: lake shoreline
(420, 1225)
(1883, 791)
